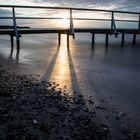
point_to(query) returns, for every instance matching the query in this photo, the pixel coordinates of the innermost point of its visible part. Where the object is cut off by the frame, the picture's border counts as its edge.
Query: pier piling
(67, 40)
(93, 39)
(12, 41)
(123, 35)
(59, 38)
(106, 40)
(134, 39)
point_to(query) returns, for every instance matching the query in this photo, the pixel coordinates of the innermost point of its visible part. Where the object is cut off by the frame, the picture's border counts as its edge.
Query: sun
(64, 22)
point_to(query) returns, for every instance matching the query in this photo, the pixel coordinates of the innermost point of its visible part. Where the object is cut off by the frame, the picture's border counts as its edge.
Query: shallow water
(111, 74)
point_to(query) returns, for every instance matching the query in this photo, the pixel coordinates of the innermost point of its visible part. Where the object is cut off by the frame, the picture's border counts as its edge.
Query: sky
(129, 5)
(123, 5)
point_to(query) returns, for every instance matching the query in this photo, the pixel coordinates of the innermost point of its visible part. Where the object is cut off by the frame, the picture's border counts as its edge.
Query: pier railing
(71, 18)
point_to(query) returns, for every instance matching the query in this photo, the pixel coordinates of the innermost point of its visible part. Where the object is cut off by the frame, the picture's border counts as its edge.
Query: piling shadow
(50, 67)
(73, 76)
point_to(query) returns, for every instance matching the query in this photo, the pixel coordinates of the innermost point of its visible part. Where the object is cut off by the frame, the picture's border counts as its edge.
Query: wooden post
(134, 39)
(112, 20)
(71, 25)
(139, 23)
(18, 44)
(59, 38)
(12, 45)
(68, 40)
(93, 39)
(123, 35)
(15, 28)
(106, 40)
(12, 41)
(113, 25)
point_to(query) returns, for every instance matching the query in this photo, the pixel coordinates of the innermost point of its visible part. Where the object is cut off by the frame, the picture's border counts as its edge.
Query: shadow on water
(69, 70)
(74, 81)
(50, 67)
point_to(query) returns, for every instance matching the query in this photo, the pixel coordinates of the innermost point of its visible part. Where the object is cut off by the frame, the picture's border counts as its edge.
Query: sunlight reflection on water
(60, 71)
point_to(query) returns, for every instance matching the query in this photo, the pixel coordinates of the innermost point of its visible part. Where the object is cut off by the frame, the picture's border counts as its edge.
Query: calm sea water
(103, 73)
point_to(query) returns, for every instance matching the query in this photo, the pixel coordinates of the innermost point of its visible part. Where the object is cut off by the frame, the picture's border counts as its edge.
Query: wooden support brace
(134, 39)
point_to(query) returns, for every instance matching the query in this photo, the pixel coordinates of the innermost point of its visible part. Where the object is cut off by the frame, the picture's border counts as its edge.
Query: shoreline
(36, 110)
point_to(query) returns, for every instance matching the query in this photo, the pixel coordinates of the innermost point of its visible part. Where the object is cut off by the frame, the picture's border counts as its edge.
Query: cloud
(129, 5)
(123, 5)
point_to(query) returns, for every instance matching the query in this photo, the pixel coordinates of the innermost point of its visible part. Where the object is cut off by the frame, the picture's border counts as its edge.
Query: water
(111, 74)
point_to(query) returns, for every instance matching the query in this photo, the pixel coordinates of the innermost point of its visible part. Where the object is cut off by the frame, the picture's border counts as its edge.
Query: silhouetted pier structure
(113, 30)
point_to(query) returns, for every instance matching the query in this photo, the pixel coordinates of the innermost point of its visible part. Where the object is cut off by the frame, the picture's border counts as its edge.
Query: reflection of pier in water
(113, 30)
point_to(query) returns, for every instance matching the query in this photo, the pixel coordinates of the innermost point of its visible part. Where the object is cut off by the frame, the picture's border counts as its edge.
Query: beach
(83, 93)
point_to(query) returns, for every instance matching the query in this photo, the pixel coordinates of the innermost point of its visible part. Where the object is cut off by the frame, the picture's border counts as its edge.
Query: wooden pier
(113, 30)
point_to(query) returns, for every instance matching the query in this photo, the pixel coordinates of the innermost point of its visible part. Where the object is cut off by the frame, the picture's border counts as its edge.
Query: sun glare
(61, 70)
(64, 23)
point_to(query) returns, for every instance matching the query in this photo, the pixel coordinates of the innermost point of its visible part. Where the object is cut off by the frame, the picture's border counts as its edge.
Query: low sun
(64, 22)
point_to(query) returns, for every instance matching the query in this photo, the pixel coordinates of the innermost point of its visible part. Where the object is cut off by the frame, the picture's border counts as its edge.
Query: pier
(71, 31)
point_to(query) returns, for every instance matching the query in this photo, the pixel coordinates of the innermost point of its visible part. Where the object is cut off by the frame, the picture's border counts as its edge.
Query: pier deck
(59, 31)
(65, 31)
